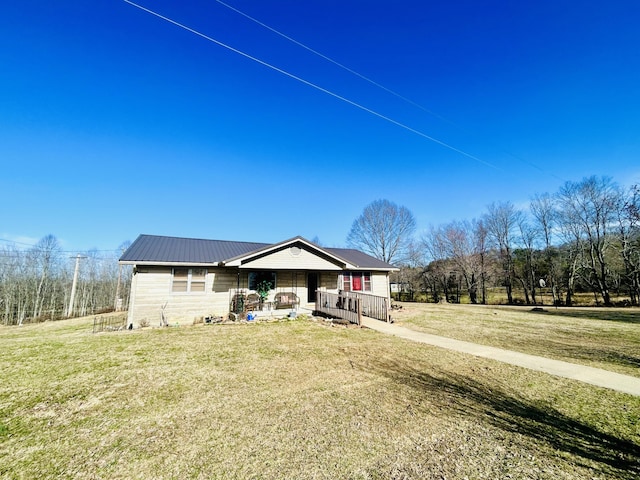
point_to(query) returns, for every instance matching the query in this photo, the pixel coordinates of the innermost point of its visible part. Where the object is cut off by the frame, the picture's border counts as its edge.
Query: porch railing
(372, 306)
(352, 305)
(339, 306)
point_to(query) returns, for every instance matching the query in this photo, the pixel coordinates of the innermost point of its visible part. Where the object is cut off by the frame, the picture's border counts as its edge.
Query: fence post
(359, 309)
(386, 309)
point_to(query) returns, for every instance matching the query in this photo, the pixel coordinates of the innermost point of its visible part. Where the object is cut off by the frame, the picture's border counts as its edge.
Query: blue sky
(114, 122)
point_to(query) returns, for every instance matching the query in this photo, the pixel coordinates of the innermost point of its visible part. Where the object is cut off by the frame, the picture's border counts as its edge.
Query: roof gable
(287, 249)
(294, 257)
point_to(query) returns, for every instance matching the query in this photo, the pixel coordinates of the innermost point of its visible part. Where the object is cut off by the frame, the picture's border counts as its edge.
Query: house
(181, 279)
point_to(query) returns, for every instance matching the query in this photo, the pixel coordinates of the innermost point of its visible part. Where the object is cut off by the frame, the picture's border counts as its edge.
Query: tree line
(585, 238)
(36, 283)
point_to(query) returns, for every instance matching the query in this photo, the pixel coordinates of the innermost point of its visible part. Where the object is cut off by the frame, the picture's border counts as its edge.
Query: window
(356, 281)
(189, 279)
(256, 277)
(198, 278)
(180, 280)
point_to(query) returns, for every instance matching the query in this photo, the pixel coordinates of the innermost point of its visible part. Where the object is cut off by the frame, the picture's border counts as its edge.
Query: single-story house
(181, 279)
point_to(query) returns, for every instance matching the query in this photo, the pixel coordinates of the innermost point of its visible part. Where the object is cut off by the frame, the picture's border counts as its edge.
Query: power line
(17, 243)
(34, 249)
(335, 62)
(313, 85)
(373, 82)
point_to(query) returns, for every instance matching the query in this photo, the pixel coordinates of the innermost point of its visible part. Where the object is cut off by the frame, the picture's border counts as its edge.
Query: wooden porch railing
(372, 306)
(352, 305)
(339, 306)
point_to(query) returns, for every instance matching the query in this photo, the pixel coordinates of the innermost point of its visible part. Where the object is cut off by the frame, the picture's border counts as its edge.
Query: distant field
(606, 338)
(296, 399)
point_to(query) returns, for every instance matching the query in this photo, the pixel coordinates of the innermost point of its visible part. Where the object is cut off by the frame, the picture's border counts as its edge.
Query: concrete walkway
(593, 376)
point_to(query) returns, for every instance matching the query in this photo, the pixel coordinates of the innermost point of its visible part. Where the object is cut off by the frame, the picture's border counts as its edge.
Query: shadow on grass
(614, 315)
(580, 352)
(471, 398)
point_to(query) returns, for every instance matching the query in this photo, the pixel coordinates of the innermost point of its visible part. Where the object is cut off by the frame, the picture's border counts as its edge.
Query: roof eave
(148, 263)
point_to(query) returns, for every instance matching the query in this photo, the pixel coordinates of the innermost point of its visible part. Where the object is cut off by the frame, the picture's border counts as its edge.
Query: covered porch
(289, 291)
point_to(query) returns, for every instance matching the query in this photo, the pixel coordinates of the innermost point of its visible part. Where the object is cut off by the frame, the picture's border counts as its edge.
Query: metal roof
(153, 248)
(150, 249)
(360, 259)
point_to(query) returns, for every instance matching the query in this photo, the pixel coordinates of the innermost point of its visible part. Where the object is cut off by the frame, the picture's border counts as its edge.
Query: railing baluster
(351, 305)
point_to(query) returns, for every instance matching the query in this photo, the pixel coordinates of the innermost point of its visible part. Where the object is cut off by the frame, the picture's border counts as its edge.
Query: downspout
(132, 297)
(238, 292)
(389, 319)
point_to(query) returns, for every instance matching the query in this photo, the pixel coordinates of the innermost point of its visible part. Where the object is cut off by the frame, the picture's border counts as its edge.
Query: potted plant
(262, 289)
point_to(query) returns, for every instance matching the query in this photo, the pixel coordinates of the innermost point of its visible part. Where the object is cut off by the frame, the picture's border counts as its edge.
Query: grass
(606, 338)
(294, 399)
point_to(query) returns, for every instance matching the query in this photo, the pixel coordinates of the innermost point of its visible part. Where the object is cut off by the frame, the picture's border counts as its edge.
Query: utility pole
(73, 285)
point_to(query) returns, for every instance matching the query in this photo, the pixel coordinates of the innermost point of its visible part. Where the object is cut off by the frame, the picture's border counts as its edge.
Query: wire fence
(109, 323)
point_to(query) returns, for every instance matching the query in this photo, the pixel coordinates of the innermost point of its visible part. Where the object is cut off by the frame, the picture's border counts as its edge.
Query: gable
(293, 257)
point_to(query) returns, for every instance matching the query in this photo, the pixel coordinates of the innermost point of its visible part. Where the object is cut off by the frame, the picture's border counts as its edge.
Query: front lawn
(606, 338)
(294, 399)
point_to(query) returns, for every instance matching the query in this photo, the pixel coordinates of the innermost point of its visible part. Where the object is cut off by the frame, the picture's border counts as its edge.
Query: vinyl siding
(151, 289)
(292, 259)
(380, 284)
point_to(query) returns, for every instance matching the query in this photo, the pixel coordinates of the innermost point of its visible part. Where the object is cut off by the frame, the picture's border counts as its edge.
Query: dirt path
(582, 373)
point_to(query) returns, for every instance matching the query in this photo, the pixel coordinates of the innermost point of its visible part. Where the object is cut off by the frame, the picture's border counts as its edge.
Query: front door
(312, 286)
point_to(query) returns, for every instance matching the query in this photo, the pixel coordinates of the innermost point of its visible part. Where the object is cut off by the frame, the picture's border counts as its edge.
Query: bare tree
(45, 256)
(480, 242)
(632, 205)
(629, 238)
(589, 208)
(457, 254)
(437, 270)
(544, 214)
(458, 242)
(500, 221)
(11, 280)
(34, 283)
(383, 230)
(525, 260)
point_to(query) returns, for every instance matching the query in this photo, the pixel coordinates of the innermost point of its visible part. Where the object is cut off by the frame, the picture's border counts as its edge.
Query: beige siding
(329, 282)
(151, 289)
(292, 259)
(380, 284)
